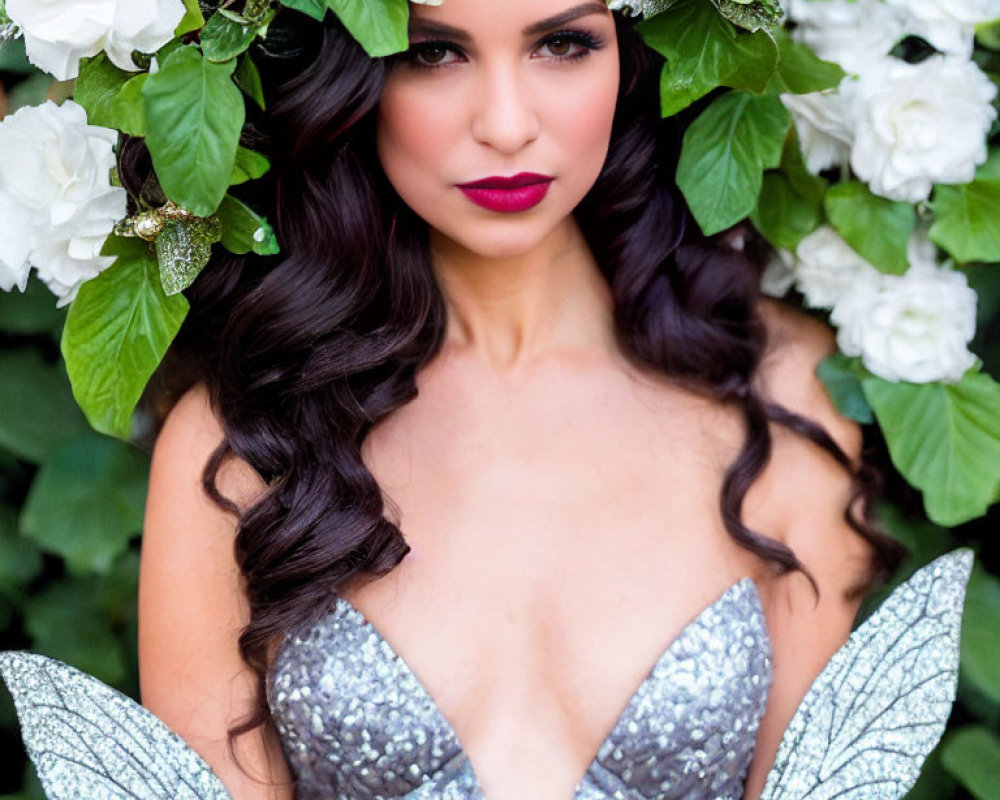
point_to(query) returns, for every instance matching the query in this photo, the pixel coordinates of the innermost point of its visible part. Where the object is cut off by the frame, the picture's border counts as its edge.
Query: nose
(505, 115)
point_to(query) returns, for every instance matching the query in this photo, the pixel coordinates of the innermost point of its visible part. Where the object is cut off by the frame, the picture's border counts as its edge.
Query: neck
(508, 313)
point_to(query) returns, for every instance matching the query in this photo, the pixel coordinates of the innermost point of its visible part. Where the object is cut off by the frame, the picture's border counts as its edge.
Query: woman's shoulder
(797, 342)
(191, 432)
(804, 492)
(192, 606)
(800, 499)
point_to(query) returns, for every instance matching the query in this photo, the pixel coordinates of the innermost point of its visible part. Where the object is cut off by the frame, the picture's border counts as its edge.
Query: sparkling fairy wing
(88, 740)
(881, 703)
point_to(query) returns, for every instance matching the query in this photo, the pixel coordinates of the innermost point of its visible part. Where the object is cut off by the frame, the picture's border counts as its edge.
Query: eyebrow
(427, 27)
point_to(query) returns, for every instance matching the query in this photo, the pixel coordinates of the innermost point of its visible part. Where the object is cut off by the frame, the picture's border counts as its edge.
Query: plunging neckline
(745, 585)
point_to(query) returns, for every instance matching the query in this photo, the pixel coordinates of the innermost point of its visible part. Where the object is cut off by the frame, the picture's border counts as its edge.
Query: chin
(501, 242)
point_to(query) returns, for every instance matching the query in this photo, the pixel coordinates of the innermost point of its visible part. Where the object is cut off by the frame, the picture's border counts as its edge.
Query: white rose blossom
(921, 124)
(58, 33)
(949, 25)
(827, 268)
(824, 123)
(913, 327)
(851, 33)
(57, 204)
(779, 273)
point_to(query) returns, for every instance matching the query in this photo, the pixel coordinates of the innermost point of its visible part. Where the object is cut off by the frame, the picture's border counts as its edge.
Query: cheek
(410, 142)
(583, 119)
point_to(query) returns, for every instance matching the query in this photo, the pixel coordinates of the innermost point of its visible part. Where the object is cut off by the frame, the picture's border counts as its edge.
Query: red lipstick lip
(519, 199)
(513, 182)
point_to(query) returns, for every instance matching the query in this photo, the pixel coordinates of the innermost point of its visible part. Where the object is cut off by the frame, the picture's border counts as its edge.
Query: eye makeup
(585, 41)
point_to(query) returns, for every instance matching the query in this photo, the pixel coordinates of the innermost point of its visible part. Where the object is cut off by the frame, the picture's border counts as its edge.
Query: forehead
(465, 20)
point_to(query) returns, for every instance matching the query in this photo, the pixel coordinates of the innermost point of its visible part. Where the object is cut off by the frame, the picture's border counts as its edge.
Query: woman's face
(499, 88)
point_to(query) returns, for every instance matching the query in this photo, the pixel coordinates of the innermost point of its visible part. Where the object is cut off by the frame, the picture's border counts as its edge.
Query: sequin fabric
(356, 723)
(862, 731)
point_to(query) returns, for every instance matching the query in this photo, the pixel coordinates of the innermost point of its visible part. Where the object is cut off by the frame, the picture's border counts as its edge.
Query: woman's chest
(552, 464)
(556, 556)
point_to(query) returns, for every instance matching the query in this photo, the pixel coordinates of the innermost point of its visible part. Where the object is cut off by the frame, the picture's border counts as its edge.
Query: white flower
(828, 268)
(913, 327)
(850, 33)
(920, 124)
(58, 33)
(824, 122)
(949, 25)
(779, 273)
(57, 205)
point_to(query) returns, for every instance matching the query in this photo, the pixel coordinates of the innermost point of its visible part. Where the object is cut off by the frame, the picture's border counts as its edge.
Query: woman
(583, 419)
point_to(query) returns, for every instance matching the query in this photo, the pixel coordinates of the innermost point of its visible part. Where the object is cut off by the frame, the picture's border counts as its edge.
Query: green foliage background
(71, 504)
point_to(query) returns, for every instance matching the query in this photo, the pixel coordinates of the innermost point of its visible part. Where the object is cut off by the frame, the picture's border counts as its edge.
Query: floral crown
(859, 137)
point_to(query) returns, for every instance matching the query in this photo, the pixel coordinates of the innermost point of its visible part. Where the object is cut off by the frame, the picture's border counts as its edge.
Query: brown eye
(433, 55)
(559, 47)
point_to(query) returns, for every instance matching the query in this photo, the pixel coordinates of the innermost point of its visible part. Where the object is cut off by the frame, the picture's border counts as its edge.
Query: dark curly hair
(304, 352)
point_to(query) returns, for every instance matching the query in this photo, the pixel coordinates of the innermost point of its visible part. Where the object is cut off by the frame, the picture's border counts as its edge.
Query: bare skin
(562, 508)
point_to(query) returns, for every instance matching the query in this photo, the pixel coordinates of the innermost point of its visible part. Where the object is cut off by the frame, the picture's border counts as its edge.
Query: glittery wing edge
(882, 701)
(647, 8)
(88, 740)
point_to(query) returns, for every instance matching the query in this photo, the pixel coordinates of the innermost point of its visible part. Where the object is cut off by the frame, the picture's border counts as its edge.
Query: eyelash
(588, 41)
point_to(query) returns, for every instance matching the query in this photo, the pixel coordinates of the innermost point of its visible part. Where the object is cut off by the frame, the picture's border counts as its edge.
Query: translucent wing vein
(89, 740)
(881, 703)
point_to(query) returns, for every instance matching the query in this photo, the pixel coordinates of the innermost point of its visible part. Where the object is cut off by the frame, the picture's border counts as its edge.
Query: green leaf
(313, 8)
(944, 439)
(67, 622)
(183, 248)
(86, 502)
(811, 188)
(249, 166)
(14, 59)
(965, 220)
(800, 70)
(128, 112)
(265, 243)
(33, 311)
(117, 332)
(725, 153)
(988, 34)
(111, 95)
(32, 91)
(96, 88)
(972, 755)
(239, 225)
(37, 410)
(247, 77)
(934, 783)
(224, 37)
(783, 216)
(876, 228)
(840, 376)
(20, 560)
(192, 20)
(704, 51)
(980, 624)
(195, 114)
(790, 205)
(164, 52)
(379, 26)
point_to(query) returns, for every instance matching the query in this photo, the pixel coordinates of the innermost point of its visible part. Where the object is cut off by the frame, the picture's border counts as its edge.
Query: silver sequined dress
(356, 724)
